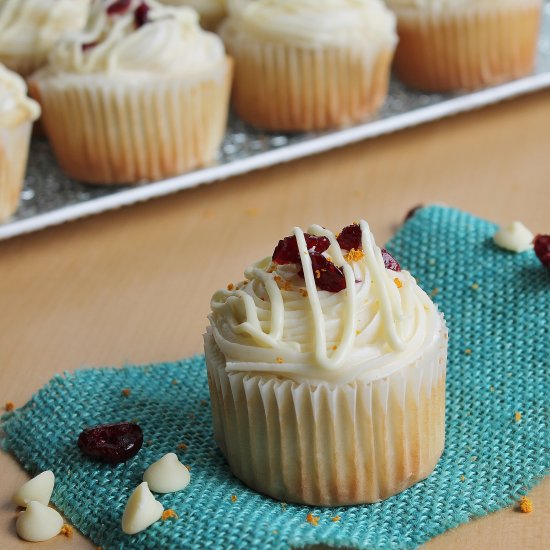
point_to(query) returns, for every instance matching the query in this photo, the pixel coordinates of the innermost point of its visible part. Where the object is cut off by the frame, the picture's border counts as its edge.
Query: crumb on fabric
(336, 518)
(188, 467)
(517, 416)
(233, 498)
(462, 478)
(434, 292)
(66, 531)
(175, 382)
(314, 520)
(182, 446)
(9, 406)
(525, 505)
(203, 402)
(475, 286)
(491, 388)
(126, 392)
(467, 351)
(168, 514)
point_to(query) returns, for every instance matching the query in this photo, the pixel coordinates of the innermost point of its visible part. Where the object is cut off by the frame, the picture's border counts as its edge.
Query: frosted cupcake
(309, 64)
(326, 368)
(141, 94)
(211, 12)
(17, 113)
(447, 45)
(30, 28)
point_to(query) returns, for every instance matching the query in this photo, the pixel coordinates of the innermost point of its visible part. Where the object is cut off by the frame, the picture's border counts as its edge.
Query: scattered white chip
(38, 488)
(514, 237)
(38, 522)
(142, 510)
(167, 475)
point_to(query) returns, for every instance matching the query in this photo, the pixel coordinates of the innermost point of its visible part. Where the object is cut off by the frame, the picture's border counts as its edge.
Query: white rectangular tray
(49, 197)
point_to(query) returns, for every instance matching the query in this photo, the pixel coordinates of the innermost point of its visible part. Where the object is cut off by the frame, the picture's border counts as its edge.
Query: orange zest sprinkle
(126, 392)
(233, 498)
(354, 255)
(282, 284)
(279, 360)
(182, 447)
(525, 505)
(66, 531)
(167, 514)
(303, 292)
(9, 406)
(317, 274)
(334, 348)
(398, 282)
(517, 416)
(314, 520)
(336, 518)
(230, 286)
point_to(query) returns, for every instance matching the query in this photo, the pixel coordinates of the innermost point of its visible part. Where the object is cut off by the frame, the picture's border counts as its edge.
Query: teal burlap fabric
(497, 305)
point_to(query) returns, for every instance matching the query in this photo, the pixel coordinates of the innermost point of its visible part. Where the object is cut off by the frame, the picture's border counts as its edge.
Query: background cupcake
(17, 112)
(326, 369)
(141, 94)
(29, 29)
(309, 64)
(211, 12)
(447, 45)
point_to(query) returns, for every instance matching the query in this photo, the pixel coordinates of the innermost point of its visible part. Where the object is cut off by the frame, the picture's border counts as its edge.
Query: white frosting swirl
(315, 23)
(33, 26)
(278, 323)
(171, 43)
(15, 106)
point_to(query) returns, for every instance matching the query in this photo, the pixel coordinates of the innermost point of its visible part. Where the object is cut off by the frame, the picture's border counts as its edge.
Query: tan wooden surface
(134, 285)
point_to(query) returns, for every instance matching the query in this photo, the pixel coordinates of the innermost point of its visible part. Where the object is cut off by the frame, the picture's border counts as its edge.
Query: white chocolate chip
(141, 510)
(39, 488)
(38, 522)
(167, 475)
(514, 237)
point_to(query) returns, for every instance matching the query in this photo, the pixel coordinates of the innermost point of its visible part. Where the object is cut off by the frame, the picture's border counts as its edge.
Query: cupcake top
(15, 106)
(138, 37)
(325, 308)
(31, 27)
(315, 23)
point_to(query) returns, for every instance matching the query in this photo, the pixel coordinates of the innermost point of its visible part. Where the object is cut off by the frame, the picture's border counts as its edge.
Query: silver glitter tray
(49, 197)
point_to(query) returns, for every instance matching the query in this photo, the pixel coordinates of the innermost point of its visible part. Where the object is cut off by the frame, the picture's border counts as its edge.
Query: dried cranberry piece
(120, 6)
(286, 252)
(351, 237)
(542, 249)
(327, 275)
(141, 15)
(89, 46)
(413, 211)
(389, 261)
(111, 443)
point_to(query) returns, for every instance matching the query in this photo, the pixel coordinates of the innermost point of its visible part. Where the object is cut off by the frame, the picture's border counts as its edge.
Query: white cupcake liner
(284, 87)
(466, 48)
(330, 445)
(109, 130)
(14, 150)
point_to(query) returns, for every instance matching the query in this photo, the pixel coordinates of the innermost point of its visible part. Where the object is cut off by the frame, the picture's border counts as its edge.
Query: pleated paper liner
(331, 445)
(116, 130)
(467, 48)
(14, 149)
(287, 88)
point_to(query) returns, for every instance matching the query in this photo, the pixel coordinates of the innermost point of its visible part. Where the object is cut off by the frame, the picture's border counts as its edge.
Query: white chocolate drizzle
(280, 323)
